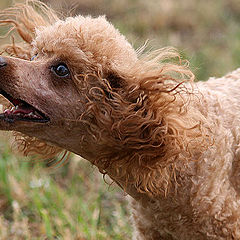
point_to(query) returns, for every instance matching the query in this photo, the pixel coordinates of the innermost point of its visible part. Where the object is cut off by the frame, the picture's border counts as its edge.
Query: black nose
(3, 62)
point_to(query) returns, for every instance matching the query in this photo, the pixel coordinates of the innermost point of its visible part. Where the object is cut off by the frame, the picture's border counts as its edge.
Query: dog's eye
(61, 70)
(33, 57)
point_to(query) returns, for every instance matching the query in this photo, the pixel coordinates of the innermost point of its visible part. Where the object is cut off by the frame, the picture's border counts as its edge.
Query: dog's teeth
(37, 114)
(16, 107)
(31, 114)
(7, 111)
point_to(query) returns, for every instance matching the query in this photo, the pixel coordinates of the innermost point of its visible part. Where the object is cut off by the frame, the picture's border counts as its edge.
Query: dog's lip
(23, 111)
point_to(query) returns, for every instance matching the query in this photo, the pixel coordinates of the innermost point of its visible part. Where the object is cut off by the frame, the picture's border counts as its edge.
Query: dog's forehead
(95, 38)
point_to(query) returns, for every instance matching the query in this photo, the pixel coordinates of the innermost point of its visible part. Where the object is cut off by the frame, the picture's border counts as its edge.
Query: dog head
(48, 84)
(79, 85)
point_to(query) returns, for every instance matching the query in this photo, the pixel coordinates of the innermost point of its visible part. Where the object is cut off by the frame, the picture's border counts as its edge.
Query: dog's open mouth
(21, 111)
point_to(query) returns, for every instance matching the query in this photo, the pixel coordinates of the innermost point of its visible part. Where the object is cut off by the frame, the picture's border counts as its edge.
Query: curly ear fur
(144, 126)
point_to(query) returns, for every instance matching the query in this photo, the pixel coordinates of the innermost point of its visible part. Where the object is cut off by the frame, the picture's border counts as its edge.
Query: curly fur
(168, 144)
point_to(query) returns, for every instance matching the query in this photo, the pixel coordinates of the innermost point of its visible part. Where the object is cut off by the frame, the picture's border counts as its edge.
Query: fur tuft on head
(23, 20)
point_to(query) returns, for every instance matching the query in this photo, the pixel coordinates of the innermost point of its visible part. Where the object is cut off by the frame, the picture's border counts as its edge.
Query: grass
(64, 203)
(73, 202)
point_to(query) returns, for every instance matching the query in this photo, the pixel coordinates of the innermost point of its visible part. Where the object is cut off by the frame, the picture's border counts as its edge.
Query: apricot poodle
(172, 145)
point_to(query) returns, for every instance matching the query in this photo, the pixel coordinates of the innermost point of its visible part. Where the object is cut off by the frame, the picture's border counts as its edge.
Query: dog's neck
(143, 198)
(122, 182)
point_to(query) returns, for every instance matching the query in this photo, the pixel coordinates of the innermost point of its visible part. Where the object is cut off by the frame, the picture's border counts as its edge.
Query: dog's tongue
(22, 110)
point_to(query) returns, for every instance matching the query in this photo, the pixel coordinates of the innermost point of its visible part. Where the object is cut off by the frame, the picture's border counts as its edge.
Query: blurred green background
(73, 202)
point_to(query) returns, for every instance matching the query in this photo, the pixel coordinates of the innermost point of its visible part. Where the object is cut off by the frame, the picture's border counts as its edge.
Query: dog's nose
(3, 62)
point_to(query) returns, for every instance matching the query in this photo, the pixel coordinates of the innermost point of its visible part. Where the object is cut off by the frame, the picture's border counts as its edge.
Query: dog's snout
(3, 62)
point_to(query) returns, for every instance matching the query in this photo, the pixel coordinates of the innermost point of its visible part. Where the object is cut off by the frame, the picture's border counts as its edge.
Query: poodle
(171, 144)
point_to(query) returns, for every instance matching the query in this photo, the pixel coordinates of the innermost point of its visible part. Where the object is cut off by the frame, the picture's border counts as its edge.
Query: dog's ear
(115, 81)
(111, 84)
(145, 123)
